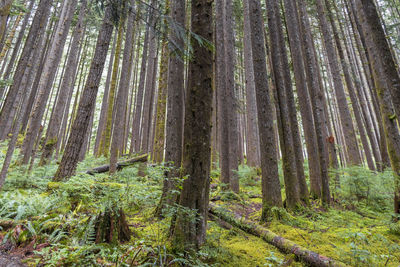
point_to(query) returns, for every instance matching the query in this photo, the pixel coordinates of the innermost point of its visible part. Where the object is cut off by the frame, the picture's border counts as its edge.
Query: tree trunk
(159, 139)
(137, 118)
(388, 68)
(190, 232)
(5, 7)
(123, 91)
(67, 84)
(175, 116)
(232, 105)
(284, 123)
(220, 71)
(69, 160)
(107, 132)
(350, 88)
(252, 140)
(104, 102)
(16, 50)
(47, 77)
(293, 28)
(345, 117)
(316, 97)
(271, 189)
(150, 76)
(384, 90)
(38, 24)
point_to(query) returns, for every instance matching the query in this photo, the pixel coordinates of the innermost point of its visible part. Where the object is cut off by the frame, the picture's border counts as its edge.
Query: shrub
(359, 185)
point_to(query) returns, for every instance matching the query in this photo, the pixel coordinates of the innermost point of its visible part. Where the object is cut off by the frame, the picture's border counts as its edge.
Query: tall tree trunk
(10, 37)
(69, 160)
(350, 88)
(47, 78)
(388, 68)
(120, 105)
(294, 125)
(230, 87)
(38, 24)
(107, 131)
(67, 84)
(190, 233)
(175, 105)
(137, 118)
(252, 141)
(16, 49)
(384, 87)
(150, 76)
(293, 28)
(271, 189)
(220, 70)
(104, 102)
(345, 117)
(159, 139)
(316, 97)
(284, 123)
(5, 7)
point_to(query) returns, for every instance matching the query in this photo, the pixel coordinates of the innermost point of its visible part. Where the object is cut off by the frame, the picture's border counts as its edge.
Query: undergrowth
(56, 220)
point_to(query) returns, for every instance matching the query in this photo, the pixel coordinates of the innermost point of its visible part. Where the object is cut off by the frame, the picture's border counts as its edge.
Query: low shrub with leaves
(360, 186)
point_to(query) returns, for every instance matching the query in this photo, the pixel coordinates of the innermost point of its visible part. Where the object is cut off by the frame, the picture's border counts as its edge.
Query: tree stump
(111, 227)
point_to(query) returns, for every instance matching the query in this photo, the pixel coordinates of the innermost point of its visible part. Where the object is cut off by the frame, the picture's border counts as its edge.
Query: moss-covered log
(286, 246)
(120, 165)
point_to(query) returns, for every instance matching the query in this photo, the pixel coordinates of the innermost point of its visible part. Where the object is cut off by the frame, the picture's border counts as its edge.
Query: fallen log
(120, 165)
(309, 257)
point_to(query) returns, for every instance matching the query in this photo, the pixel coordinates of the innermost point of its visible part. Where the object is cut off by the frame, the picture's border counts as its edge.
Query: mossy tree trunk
(271, 189)
(67, 84)
(107, 132)
(383, 82)
(190, 231)
(123, 91)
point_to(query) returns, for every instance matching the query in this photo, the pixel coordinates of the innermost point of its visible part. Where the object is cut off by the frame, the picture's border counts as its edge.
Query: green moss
(236, 248)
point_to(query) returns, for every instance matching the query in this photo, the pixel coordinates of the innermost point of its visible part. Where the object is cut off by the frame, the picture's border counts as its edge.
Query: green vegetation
(54, 223)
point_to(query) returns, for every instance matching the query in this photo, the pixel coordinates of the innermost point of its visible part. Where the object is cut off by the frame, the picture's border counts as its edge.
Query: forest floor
(52, 224)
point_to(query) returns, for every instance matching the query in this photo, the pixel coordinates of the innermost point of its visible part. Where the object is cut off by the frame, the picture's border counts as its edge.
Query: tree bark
(384, 89)
(345, 117)
(190, 233)
(271, 189)
(350, 88)
(252, 140)
(316, 97)
(107, 131)
(175, 105)
(16, 49)
(67, 84)
(38, 24)
(69, 160)
(47, 78)
(150, 77)
(232, 105)
(5, 7)
(293, 28)
(284, 123)
(220, 70)
(122, 95)
(137, 118)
